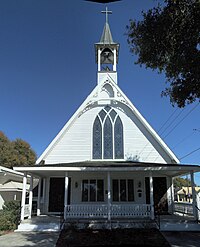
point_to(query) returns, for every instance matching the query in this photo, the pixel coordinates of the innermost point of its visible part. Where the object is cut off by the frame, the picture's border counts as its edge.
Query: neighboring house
(11, 185)
(185, 194)
(107, 162)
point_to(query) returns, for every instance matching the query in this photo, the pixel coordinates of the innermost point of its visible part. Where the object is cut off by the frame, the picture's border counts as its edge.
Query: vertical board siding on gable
(76, 143)
(136, 144)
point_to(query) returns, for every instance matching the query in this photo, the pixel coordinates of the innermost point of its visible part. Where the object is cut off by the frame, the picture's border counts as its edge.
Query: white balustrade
(133, 211)
(101, 211)
(183, 207)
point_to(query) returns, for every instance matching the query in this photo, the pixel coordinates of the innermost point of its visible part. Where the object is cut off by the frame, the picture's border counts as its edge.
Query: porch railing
(102, 211)
(184, 208)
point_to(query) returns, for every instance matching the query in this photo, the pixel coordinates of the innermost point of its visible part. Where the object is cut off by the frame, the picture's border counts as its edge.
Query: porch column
(151, 195)
(194, 198)
(198, 206)
(39, 195)
(170, 193)
(109, 196)
(44, 194)
(66, 195)
(30, 196)
(23, 195)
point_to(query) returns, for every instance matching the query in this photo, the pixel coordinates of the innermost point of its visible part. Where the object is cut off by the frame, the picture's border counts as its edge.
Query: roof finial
(106, 12)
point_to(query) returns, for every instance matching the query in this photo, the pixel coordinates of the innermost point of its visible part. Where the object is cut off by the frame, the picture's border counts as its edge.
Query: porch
(106, 192)
(169, 222)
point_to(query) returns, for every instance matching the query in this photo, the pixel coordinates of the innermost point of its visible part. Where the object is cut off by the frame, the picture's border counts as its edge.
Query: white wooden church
(107, 162)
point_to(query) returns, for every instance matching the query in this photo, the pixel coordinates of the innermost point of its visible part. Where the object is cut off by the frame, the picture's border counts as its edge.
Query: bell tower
(106, 52)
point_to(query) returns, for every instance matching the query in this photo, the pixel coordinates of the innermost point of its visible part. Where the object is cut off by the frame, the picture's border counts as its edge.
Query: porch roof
(112, 166)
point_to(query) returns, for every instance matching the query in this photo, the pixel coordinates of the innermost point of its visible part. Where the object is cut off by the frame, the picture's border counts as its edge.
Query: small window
(100, 190)
(123, 190)
(85, 188)
(92, 190)
(130, 190)
(115, 185)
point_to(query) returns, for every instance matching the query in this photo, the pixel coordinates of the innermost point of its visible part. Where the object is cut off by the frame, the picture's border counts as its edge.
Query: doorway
(56, 194)
(159, 194)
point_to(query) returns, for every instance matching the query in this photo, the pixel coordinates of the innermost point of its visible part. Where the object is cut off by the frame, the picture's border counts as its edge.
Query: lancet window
(108, 135)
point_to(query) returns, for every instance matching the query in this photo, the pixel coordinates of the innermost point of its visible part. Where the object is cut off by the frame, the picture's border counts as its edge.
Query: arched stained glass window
(119, 145)
(107, 108)
(108, 139)
(105, 131)
(97, 139)
(102, 115)
(113, 114)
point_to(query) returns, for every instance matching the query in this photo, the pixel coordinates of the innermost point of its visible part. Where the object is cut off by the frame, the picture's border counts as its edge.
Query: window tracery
(108, 135)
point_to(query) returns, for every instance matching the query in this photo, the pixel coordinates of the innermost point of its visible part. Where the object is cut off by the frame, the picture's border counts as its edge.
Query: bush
(10, 215)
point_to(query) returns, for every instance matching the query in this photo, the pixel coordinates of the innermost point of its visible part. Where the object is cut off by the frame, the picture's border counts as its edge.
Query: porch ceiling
(172, 170)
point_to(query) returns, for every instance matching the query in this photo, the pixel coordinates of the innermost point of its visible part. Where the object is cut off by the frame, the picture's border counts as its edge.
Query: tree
(181, 182)
(25, 155)
(167, 39)
(15, 153)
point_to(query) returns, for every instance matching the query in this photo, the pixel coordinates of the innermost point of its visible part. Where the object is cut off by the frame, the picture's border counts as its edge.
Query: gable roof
(93, 98)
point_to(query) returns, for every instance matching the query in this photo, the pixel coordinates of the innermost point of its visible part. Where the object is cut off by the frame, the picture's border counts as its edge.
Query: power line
(182, 140)
(164, 129)
(181, 121)
(172, 121)
(168, 119)
(190, 153)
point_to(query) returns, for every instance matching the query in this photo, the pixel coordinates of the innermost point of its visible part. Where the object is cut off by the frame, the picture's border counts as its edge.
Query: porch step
(178, 223)
(40, 223)
(113, 224)
(179, 226)
(52, 227)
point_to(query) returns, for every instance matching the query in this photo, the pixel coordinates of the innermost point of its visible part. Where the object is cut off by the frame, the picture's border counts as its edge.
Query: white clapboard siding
(76, 143)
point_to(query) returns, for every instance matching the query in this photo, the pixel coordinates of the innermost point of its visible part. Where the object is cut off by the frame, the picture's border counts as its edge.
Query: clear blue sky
(47, 69)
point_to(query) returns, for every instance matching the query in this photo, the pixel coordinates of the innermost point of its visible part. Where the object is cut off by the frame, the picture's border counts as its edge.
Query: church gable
(107, 126)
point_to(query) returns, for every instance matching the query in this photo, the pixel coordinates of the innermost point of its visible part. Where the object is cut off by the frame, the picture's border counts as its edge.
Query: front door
(56, 194)
(159, 193)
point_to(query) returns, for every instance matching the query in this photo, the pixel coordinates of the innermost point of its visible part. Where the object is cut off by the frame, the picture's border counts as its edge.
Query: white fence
(183, 208)
(115, 211)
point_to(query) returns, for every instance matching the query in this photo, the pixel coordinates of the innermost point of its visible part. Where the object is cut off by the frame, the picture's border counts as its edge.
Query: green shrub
(10, 215)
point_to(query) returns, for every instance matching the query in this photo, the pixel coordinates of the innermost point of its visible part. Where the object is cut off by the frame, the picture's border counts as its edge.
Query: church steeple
(106, 37)
(107, 51)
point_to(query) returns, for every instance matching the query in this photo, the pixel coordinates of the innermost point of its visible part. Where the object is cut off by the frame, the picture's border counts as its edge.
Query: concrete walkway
(183, 239)
(27, 239)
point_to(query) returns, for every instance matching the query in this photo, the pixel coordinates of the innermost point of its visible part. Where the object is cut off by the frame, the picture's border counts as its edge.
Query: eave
(99, 166)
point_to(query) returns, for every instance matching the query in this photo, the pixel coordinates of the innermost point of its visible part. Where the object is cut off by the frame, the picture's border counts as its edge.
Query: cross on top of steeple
(106, 12)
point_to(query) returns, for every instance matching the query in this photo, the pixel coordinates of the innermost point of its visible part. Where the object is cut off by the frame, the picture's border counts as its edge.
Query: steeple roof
(106, 37)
